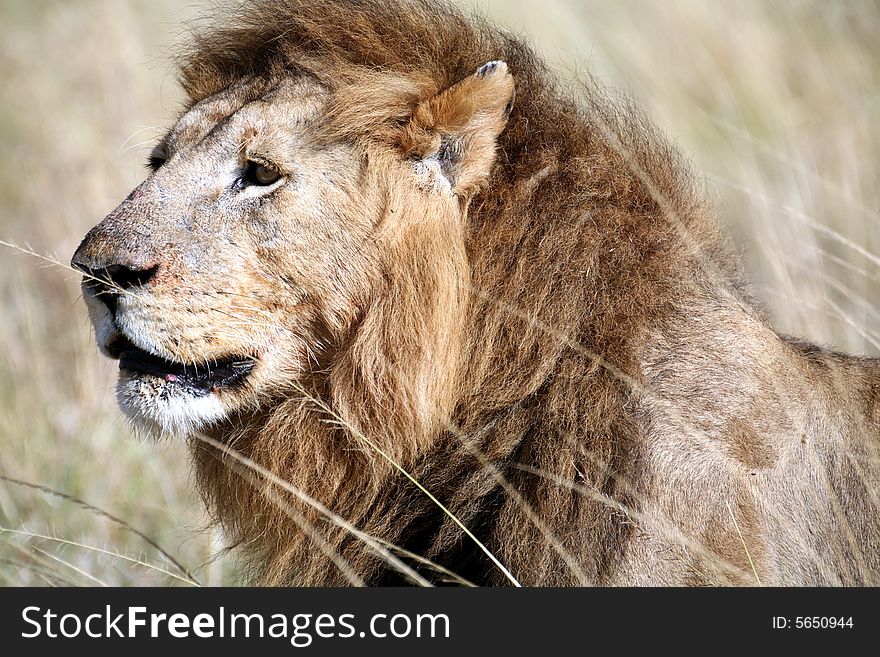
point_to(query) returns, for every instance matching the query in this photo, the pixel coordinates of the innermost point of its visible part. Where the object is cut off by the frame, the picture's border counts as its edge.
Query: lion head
(267, 238)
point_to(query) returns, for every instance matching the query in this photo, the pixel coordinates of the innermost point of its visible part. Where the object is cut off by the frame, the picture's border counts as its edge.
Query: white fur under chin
(166, 407)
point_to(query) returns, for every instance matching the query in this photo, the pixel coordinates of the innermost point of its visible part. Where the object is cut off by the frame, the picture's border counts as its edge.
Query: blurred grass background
(776, 103)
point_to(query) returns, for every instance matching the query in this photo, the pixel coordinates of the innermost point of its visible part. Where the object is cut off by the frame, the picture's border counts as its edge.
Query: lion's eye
(260, 174)
(157, 158)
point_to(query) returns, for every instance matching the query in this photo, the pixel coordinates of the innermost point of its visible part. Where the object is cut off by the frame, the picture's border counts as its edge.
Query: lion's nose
(124, 277)
(117, 275)
(107, 281)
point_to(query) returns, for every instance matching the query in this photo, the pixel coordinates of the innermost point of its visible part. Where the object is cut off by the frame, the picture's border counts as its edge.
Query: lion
(425, 317)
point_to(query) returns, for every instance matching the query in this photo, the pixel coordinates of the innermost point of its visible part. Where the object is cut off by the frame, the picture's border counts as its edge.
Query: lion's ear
(452, 136)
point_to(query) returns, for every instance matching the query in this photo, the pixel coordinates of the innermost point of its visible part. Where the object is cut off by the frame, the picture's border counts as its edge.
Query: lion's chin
(160, 406)
(163, 396)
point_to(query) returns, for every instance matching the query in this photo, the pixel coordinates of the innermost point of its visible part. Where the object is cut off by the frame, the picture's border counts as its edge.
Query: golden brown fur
(559, 347)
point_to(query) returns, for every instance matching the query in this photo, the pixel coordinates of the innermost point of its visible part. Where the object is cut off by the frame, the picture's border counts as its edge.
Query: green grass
(777, 104)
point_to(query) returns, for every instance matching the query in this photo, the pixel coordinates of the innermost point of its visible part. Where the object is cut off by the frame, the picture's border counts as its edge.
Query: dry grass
(777, 103)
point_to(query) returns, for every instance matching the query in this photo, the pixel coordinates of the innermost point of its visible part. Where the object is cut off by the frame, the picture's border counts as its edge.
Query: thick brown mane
(591, 261)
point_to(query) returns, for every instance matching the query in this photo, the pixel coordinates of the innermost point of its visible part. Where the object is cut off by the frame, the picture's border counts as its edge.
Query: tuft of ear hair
(452, 136)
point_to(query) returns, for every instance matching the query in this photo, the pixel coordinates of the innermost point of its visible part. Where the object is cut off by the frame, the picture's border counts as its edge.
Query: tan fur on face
(522, 302)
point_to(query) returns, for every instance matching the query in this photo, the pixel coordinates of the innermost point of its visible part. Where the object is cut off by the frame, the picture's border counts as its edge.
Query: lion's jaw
(156, 404)
(158, 393)
(172, 381)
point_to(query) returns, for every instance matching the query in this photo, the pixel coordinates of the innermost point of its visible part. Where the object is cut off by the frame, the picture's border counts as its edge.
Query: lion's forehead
(287, 105)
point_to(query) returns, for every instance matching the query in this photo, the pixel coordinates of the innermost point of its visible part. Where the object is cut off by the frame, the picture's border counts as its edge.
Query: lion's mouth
(200, 379)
